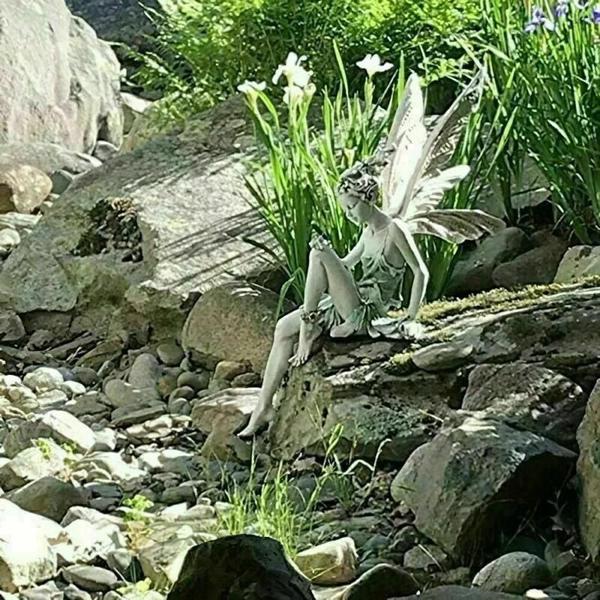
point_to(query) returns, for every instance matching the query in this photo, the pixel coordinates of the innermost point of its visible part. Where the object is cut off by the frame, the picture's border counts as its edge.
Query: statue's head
(358, 191)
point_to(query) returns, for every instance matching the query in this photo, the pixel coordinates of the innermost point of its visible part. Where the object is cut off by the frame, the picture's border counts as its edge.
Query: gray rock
(11, 327)
(331, 563)
(145, 372)
(237, 311)
(197, 381)
(48, 158)
(66, 264)
(456, 483)
(179, 406)
(46, 458)
(48, 591)
(49, 497)
(91, 403)
(69, 77)
(73, 388)
(44, 379)
(579, 262)
(122, 394)
(22, 188)
(89, 541)
(26, 553)
(536, 266)
(134, 108)
(381, 582)
(426, 557)
(105, 151)
(443, 356)
(117, 20)
(369, 402)
(72, 592)
(111, 465)
(92, 579)
(131, 415)
(58, 425)
(169, 460)
(528, 397)
(52, 399)
(9, 239)
(514, 573)
(170, 353)
(455, 592)
(588, 470)
(473, 272)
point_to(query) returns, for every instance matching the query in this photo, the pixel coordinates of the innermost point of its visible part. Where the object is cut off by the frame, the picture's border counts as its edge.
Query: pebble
(170, 353)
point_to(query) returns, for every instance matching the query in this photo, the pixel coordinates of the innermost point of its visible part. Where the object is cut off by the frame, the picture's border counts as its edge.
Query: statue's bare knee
(287, 326)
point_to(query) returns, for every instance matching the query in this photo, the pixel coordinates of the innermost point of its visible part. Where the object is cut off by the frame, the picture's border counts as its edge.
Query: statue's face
(358, 211)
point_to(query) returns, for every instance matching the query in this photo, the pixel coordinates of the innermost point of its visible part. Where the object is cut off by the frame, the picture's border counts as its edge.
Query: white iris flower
(293, 71)
(372, 64)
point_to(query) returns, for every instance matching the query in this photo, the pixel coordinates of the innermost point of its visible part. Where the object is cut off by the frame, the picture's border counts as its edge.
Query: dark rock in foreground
(240, 567)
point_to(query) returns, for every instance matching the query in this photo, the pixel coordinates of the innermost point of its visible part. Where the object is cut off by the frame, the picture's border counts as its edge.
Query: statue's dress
(379, 288)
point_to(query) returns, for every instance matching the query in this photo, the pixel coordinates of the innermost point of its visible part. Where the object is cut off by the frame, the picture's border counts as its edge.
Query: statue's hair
(362, 178)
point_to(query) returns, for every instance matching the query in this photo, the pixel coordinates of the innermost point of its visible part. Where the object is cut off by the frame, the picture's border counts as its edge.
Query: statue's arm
(405, 242)
(353, 257)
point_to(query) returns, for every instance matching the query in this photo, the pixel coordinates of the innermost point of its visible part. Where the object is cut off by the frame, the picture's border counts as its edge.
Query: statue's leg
(286, 332)
(326, 273)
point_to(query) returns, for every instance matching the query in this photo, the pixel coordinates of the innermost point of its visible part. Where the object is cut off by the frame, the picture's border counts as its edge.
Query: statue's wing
(454, 225)
(441, 142)
(405, 141)
(430, 190)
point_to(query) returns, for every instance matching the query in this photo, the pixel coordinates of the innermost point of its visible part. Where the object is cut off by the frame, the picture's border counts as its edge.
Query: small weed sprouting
(44, 446)
(137, 520)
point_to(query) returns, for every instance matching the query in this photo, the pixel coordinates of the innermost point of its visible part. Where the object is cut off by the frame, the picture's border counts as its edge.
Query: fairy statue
(394, 195)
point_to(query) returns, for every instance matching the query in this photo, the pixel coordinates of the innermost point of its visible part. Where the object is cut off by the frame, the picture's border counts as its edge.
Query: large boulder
(131, 244)
(395, 395)
(366, 404)
(475, 481)
(588, 470)
(60, 83)
(234, 322)
(528, 397)
(238, 568)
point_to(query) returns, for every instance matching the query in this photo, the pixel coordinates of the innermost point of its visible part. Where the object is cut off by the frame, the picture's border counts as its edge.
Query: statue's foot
(259, 421)
(343, 330)
(309, 332)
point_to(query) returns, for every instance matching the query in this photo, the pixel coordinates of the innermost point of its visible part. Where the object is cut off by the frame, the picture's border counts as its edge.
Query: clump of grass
(278, 509)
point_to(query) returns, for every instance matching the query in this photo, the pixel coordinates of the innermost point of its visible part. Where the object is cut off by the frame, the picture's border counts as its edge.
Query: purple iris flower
(596, 14)
(538, 19)
(561, 9)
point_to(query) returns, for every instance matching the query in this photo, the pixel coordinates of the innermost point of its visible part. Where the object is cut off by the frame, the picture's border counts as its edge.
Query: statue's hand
(319, 242)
